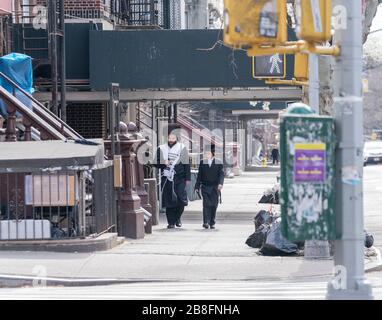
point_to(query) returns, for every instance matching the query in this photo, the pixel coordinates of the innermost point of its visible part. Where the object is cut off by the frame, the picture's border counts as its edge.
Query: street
(193, 263)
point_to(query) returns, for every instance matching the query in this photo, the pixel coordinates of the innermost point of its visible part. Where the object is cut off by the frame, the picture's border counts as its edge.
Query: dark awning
(49, 154)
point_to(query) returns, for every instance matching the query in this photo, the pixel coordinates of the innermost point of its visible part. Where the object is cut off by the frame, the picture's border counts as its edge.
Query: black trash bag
(267, 198)
(369, 240)
(257, 239)
(277, 198)
(276, 244)
(300, 245)
(271, 196)
(262, 217)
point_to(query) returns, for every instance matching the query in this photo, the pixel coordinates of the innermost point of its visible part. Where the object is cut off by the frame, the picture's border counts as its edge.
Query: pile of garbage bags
(268, 238)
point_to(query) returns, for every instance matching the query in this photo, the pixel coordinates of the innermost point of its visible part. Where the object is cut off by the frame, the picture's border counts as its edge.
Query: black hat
(211, 148)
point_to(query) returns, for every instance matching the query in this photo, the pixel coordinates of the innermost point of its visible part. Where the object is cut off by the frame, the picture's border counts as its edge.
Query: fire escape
(41, 36)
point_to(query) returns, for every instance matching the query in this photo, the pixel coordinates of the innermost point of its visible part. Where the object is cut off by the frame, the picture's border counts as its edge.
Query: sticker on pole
(310, 162)
(269, 66)
(351, 175)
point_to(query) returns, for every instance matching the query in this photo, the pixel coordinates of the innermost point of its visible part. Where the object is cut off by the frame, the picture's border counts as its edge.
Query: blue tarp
(18, 67)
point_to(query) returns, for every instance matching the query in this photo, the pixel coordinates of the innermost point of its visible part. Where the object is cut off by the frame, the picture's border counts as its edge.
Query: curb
(262, 169)
(102, 243)
(13, 281)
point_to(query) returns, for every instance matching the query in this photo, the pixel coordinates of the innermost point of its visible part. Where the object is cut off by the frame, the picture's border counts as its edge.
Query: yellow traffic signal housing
(314, 20)
(260, 22)
(301, 66)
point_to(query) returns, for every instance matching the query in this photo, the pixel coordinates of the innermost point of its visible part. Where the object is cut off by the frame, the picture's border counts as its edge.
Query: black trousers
(174, 214)
(209, 215)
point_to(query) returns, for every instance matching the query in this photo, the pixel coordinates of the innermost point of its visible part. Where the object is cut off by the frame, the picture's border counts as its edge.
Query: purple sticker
(310, 162)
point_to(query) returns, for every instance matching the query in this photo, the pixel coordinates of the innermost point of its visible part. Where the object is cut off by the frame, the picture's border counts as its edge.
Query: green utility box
(307, 147)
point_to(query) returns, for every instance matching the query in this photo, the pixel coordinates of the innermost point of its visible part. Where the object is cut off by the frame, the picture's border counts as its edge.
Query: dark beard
(171, 144)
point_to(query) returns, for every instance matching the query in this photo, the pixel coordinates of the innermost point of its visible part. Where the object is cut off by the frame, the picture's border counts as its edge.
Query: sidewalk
(240, 197)
(192, 253)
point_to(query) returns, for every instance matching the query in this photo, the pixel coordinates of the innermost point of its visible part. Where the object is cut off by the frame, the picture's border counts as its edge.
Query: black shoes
(172, 226)
(205, 225)
(212, 227)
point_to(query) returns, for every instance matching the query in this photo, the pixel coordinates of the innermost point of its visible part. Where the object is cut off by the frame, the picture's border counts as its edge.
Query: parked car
(372, 152)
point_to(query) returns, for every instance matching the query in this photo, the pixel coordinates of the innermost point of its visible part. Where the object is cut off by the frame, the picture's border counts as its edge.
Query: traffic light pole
(349, 280)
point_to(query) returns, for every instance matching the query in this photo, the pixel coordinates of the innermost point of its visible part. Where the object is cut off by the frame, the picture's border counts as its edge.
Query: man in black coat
(275, 156)
(210, 181)
(173, 159)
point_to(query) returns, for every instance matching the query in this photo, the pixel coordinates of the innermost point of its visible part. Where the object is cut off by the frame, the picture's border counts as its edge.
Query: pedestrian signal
(269, 67)
(314, 20)
(260, 22)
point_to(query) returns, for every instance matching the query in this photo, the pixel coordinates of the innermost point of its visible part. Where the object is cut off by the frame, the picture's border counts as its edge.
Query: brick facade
(88, 119)
(79, 4)
(85, 9)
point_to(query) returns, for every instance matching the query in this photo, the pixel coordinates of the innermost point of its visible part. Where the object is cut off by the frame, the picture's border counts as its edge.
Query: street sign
(268, 67)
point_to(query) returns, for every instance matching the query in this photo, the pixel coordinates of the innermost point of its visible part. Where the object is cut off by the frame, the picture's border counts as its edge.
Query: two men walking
(173, 160)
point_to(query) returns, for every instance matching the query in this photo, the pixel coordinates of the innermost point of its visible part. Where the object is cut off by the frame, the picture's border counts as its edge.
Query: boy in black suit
(210, 181)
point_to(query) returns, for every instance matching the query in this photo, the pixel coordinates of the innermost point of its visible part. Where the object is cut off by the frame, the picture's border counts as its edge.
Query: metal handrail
(45, 113)
(20, 107)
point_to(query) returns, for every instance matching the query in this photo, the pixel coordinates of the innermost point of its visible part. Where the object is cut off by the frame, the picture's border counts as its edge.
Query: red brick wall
(79, 4)
(88, 119)
(86, 9)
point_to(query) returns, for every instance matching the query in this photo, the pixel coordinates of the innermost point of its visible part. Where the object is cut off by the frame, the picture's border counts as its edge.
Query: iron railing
(24, 102)
(43, 205)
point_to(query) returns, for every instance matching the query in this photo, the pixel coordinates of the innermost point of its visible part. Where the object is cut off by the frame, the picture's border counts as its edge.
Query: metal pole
(169, 113)
(53, 41)
(166, 14)
(63, 61)
(112, 119)
(152, 12)
(117, 121)
(175, 111)
(349, 281)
